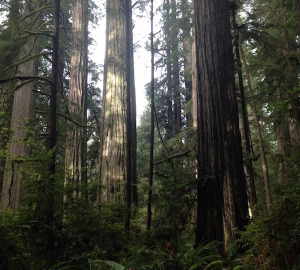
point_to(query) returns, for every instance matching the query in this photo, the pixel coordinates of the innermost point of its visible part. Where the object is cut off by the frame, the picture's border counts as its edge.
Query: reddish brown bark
(222, 199)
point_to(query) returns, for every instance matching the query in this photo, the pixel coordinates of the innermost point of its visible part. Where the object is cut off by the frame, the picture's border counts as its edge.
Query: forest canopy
(208, 179)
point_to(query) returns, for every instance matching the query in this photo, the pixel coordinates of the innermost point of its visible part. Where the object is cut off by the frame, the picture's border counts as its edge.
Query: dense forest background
(209, 179)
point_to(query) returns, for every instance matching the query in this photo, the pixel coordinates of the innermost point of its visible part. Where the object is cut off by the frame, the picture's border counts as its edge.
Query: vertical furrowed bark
(112, 171)
(19, 150)
(6, 94)
(75, 161)
(117, 174)
(221, 186)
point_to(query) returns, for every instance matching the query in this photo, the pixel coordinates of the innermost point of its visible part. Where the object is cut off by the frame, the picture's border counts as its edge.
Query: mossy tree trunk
(6, 89)
(22, 112)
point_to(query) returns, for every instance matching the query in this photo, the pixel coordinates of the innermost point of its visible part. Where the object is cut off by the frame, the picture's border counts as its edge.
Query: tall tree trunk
(112, 141)
(114, 138)
(222, 198)
(281, 150)
(187, 58)
(53, 134)
(129, 112)
(194, 76)
(194, 81)
(169, 103)
(175, 70)
(281, 143)
(18, 148)
(246, 131)
(292, 77)
(133, 134)
(259, 133)
(6, 93)
(22, 112)
(75, 161)
(298, 14)
(149, 206)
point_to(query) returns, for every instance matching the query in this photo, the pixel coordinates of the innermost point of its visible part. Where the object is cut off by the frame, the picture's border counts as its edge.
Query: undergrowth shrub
(12, 249)
(185, 257)
(273, 240)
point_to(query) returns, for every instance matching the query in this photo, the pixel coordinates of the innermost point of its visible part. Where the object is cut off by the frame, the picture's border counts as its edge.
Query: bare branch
(24, 78)
(172, 157)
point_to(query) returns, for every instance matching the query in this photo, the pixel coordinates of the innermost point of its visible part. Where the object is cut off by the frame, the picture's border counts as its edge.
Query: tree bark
(222, 198)
(194, 81)
(129, 81)
(112, 141)
(187, 58)
(53, 134)
(246, 131)
(194, 76)
(18, 148)
(75, 160)
(169, 103)
(259, 133)
(115, 135)
(175, 68)
(22, 112)
(149, 206)
(6, 91)
(281, 150)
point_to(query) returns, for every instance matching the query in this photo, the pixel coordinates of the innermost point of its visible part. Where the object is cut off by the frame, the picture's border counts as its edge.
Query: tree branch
(172, 157)
(66, 117)
(24, 78)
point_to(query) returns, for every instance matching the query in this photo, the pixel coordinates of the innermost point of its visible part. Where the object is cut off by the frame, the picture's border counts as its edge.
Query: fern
(239, 267)
(105, 265)
(214, 264)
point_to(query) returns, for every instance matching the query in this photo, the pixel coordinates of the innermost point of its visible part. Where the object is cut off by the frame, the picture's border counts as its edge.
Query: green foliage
(85, 235)
(90, 231)
(12, 249)
(203, 257)
(273, 241)
(105, 265)
(185, 257)
(92, 237)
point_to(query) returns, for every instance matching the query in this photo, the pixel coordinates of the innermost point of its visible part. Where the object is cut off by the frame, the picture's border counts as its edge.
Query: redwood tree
(75, 161)
(118, 83)
(22, 112)
(222, 198)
